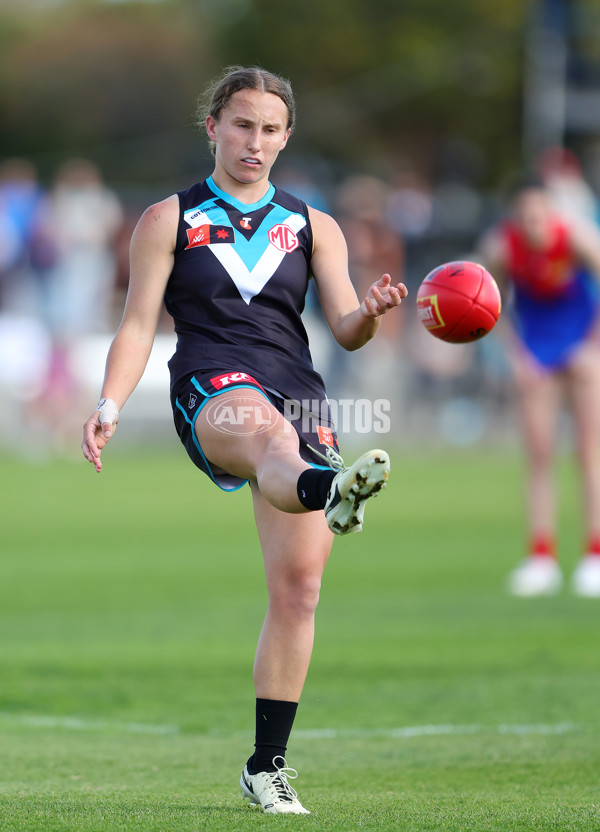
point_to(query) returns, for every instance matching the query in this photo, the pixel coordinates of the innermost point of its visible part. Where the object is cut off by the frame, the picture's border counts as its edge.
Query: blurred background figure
(561, 172)
(374, 247)
(75, 266)
(24, 342)
(80, 221)
(20, 196)
(410, 212)
(552, 264)
(410, 205)
(442, 395)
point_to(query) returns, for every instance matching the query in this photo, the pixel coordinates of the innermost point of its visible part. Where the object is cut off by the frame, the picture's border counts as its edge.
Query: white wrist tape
(109, 412)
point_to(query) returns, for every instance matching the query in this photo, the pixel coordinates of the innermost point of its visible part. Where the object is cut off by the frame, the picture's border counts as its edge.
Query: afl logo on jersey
(283, 238)
(207, 235)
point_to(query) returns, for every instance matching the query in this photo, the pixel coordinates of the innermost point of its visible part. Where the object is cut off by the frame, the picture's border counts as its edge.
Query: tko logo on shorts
(207, 234)
(283, 238)
(429, 312)
(227, 379)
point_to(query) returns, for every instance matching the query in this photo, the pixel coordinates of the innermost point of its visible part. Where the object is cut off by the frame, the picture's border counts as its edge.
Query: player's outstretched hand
(383, 296)
(98, 430)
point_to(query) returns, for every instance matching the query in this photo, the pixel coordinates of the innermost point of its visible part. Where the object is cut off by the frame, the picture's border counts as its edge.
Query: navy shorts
(310, 418)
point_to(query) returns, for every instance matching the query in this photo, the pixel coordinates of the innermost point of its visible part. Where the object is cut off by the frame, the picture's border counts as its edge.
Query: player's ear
(211, 123)
(285, 138)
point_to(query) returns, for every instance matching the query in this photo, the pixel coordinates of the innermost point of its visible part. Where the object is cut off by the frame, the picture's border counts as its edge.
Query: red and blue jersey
(542, 273)
(555, 298)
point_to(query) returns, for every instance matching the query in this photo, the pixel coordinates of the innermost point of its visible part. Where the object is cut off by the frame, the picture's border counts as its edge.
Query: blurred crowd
(59, 258)
(64, 272)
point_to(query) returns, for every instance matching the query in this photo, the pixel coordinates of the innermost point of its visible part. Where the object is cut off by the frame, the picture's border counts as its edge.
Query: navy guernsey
(238, 287)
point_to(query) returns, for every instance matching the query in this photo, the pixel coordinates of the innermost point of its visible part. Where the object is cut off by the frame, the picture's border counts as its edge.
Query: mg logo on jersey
(283, 238)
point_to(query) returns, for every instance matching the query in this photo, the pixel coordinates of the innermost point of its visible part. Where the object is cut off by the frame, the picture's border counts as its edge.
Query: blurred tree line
(378, 82)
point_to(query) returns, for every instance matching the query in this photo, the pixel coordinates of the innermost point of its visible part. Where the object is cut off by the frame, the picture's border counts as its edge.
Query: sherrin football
(459, 302)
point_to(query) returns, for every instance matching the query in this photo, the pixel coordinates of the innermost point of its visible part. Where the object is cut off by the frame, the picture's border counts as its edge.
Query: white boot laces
(331, 457)
(280, 780)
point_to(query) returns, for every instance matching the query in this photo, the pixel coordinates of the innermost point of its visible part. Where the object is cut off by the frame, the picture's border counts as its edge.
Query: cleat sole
(347, 516)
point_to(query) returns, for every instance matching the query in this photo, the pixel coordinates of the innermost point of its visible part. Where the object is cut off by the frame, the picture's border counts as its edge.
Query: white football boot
(271, 791)
(585, 580)
(352, 487)
(536, 576)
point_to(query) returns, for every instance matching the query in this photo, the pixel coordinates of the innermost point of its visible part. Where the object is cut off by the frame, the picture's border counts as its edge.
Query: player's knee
(296, 594)
(541, 457)
(540, 446)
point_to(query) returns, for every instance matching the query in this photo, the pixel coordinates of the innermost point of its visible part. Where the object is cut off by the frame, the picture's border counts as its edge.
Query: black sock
(274, 720)
(313, 487)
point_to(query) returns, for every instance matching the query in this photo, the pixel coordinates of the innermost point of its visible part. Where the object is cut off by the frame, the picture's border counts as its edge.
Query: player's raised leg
(261, 445)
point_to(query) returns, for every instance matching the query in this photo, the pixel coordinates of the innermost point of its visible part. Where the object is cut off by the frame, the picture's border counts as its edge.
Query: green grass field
(130, 605)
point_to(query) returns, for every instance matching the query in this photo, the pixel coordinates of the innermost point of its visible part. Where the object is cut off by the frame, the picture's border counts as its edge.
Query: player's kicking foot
(352, 487)
(271, 791)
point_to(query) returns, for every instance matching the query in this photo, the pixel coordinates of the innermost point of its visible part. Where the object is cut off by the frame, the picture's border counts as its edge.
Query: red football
(459, 302)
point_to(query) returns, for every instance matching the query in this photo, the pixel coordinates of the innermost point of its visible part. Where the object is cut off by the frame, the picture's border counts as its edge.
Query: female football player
(552, 265)
(231, 257)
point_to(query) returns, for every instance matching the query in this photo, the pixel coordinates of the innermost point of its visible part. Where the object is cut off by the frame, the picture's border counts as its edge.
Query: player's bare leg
(538, 401)
(261, 445)
(583, 386)
(296, 541)
(249, 450)
(295, 550)
(538, 405)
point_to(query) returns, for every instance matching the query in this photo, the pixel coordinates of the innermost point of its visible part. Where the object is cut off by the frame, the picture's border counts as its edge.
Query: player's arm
(151, 262)
(351, 321)
(585, 238)
(493, 255)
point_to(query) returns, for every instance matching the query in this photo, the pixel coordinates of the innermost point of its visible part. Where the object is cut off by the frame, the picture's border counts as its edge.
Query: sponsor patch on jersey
(283, 238)
(429, 312)
(205, 235)
(230, 379)
(325, 436)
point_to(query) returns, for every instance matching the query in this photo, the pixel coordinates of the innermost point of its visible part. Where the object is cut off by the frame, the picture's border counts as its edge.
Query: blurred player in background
(552, 264)
(232, 257)
(361, 212)
(78, 224)
(562, 174)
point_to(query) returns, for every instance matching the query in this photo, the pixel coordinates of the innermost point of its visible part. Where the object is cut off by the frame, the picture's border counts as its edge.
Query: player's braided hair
(237, 78)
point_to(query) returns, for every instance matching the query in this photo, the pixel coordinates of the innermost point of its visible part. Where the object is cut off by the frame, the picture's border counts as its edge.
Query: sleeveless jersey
(541, 273)
(238, 287)
(555, 303)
